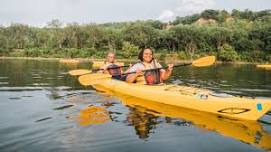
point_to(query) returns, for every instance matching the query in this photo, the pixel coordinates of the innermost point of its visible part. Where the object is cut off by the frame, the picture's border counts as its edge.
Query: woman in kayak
(151, 77)
(110, 66)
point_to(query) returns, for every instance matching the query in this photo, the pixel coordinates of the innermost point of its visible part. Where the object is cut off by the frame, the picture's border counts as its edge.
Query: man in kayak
(110, 66)
(151, 77)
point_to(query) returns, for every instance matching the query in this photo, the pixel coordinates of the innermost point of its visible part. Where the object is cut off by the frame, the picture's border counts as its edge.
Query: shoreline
(119, 60)
(55, 59)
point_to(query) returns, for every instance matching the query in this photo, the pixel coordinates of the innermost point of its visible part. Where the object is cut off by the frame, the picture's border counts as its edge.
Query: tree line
(237, 35)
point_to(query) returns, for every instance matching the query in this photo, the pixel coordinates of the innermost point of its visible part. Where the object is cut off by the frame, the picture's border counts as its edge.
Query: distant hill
(202, 21)
(218, 16)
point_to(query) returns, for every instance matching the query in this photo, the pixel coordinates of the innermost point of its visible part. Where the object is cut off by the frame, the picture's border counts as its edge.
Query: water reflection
(142, 121)
(93, 115)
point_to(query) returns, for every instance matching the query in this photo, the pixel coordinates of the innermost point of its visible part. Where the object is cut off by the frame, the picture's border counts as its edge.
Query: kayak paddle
(79, 72)
(85, 71)
(97, 64)
(90, 79)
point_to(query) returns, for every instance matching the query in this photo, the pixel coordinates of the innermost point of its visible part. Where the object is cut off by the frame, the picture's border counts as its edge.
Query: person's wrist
(169, 69)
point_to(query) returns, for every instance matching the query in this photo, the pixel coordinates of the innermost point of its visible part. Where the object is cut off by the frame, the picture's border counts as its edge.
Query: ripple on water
(3, 78)
(43, 119)
(14, 98)
(40, 84)
(252, 90)
(18, 89)
(24, 135)
(4, 83)
(38, 77)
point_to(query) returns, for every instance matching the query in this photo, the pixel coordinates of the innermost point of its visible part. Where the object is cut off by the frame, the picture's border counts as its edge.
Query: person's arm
(102, 69)
(165, 74)
(132, 77)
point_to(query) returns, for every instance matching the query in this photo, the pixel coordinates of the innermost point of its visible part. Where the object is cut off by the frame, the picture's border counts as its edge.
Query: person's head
(110, 57)
(146, 55)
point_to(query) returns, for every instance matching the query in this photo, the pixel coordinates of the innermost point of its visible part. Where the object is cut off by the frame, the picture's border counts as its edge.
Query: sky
(40, 12)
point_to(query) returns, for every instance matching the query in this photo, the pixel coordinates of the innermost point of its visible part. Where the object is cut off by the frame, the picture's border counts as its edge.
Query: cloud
(186, 7)
(166, 15)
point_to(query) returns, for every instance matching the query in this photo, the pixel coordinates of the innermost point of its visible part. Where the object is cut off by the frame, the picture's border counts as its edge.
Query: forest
(231, 36)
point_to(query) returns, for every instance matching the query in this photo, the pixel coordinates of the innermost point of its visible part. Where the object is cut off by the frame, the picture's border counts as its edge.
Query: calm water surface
(42, 108)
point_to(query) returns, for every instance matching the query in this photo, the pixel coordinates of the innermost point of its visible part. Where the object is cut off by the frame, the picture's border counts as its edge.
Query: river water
(42, 108)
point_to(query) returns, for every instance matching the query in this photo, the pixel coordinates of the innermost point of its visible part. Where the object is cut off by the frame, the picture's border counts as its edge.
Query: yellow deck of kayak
(191, 98)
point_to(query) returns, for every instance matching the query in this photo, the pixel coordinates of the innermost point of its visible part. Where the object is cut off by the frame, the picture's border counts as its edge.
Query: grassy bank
(89, 54)
(92, 59)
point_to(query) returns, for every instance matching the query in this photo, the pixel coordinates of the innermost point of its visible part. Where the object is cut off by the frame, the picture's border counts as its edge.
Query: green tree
(95, 35)
(129, 50)
(219, 36)
(188, 38)
(17, 34)
(139, 35)
(113, 38)
(227, 53)
(57, 36)
(210, 14)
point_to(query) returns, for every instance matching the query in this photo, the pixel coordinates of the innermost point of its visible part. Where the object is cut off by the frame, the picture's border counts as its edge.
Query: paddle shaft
(178, 65)
(111, 68)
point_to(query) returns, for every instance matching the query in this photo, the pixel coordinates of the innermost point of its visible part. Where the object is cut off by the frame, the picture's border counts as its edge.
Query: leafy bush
(86, 53)
(182, 55)
(253, 56)
(129, 50)
(268, 58)
(227, 53)
(3, 51)
(17, 53)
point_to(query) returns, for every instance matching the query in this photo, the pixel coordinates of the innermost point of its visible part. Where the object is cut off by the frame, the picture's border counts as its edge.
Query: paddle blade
(91, 79)
(79, 72)
(205, 61)
(98, 64)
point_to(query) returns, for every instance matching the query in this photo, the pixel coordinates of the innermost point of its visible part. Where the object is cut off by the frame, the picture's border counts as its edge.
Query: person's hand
(139, 72)
(105, 70)
(170, 67)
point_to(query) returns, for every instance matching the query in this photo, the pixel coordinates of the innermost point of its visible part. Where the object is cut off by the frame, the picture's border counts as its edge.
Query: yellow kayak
(69, 61)
(245, 131)
(266, 66)
(191, 98)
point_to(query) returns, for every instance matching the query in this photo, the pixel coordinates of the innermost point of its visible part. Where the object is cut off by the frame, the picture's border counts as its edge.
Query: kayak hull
(191, 98)
(69, 61)
(266, 66)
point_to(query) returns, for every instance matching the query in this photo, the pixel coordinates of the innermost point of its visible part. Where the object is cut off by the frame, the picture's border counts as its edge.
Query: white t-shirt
(144, 66)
